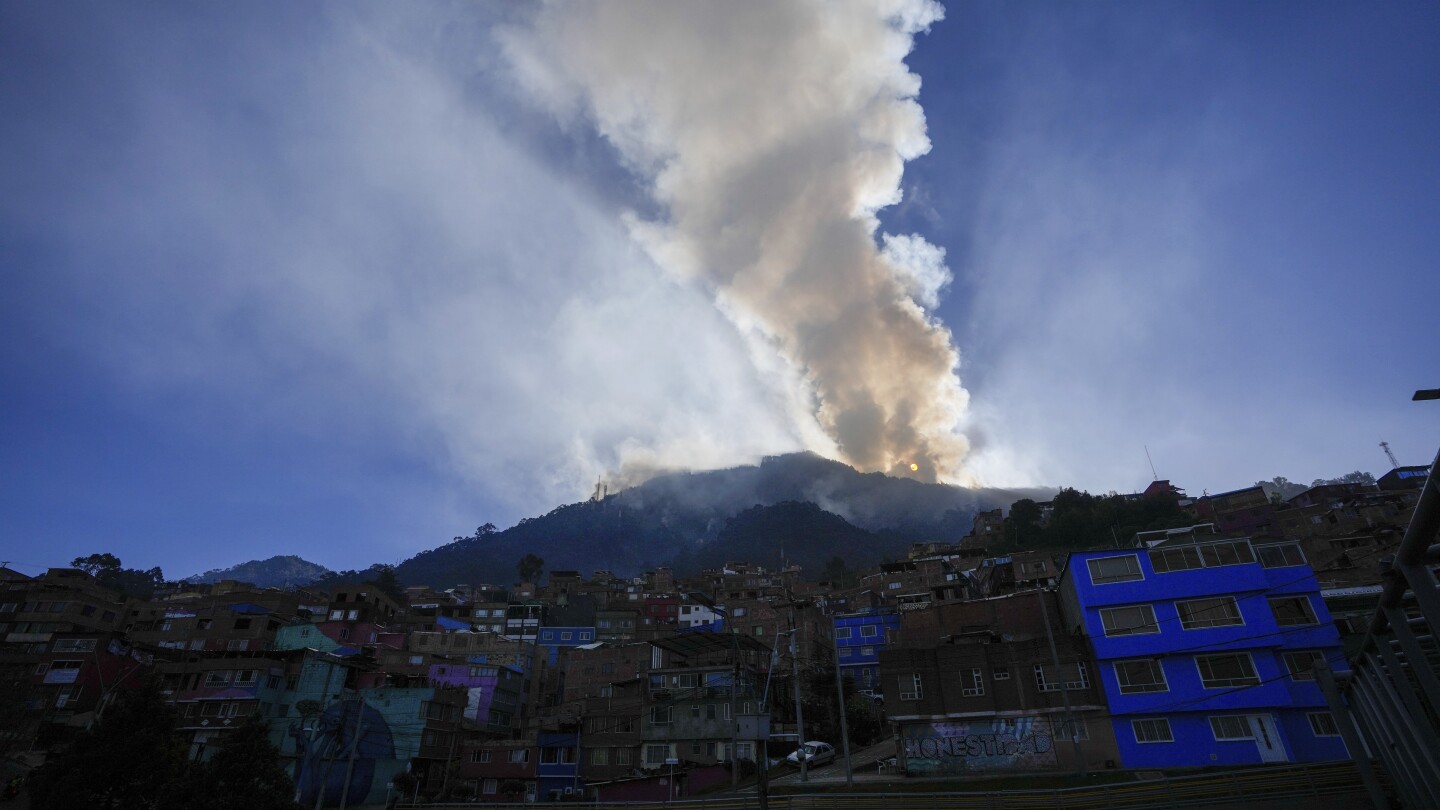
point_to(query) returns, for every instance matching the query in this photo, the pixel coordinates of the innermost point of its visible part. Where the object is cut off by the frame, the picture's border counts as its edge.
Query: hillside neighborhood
(1008, 649)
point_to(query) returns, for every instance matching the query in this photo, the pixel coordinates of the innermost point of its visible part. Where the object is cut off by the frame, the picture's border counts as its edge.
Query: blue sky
(344, 281)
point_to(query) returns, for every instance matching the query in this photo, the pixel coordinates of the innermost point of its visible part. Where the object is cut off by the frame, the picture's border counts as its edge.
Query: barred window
(1153, 730)
(1231, 727)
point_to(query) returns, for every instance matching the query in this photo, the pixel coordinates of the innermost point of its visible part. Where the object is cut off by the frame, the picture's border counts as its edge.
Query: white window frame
(1205, 617)
(1152, 724)
(1318, 718)
(1163, 685)
(917, 684)
(1129, 576)
(1301, 674)
(1001, 674)
(1220, 735)
(1150, 628)
(1253, 679)
(868, 631)
(1312, 618)
(976, 680)
(1289, 555)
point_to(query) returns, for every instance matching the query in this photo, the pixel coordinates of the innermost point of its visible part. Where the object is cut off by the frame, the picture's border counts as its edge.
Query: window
(246, 677)
(709, 711)
(739, 612)
(218, 677)
(1220, 671)
(489, 786)
(622, 756)
(1154, 730)
(1114, 569)
(242, 624)
(1292, 611)
(353, 615)
(1048, 680)
(1323, 724)
(518, 755)
(972, 683)
(599, 756)
(237, 644)
(867, 650)
(1218, 554)
(1301, 664)
(846, 652)
(911, 688)
(1280, 556)
(1165, 560)
(1063, 730)
(656, 754)
(659, 715)
(1002, 675)
(1140, 676)
(1129, 621)
(74, 645)
(1198, 613)
(41, 668)
(842, 632)
(107, 616)
(867, 631)
(566, 635)
(1231, 727)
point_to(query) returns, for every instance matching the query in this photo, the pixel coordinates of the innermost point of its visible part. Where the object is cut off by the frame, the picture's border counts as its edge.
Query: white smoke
(771, 134)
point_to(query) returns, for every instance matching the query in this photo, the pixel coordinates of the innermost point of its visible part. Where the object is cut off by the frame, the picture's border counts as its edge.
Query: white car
(814, 753)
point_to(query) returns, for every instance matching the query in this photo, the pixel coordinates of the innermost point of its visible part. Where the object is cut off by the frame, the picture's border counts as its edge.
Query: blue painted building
(553, 639)
(1204, 651)
(859, 638)
(559, 767)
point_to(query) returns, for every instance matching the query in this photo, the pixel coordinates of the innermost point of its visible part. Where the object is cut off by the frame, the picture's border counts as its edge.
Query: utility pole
(354, 749)
(844, 726)
(1064, 693)
(734, 717)
(799, 709)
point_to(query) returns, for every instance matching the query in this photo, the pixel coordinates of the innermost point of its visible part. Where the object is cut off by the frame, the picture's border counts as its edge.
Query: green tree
(530, 567)
(1022, 526)
(388, 582)
(131, 759)
(107, 570)
(246, 773)
(837, 572)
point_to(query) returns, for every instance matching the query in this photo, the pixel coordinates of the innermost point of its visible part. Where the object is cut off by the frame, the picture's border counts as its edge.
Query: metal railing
(1335, 784)
(1388, 705)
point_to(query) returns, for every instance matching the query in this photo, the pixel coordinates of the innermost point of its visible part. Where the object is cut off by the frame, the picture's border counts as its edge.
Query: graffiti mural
(350, 738)
(983, 744)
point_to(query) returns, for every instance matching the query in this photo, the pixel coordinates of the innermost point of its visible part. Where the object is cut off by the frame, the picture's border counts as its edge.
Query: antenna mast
(1154, 476)
(1390, 455)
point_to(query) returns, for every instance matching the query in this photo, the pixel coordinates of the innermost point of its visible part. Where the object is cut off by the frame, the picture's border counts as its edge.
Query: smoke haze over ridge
(771, 134)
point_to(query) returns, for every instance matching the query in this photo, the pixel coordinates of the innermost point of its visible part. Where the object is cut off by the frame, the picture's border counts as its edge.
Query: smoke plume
(769, 135)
